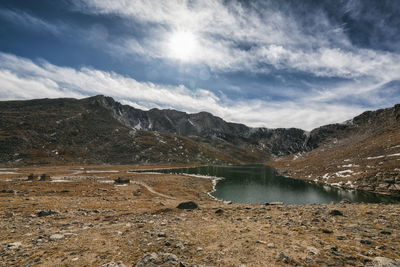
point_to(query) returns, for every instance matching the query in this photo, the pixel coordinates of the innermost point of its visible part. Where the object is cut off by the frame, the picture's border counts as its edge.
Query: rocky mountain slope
(363, 153)
(101, 130)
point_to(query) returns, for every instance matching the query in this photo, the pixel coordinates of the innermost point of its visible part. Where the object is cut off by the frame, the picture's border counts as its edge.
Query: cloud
(21, 78)
(254, 37)
(29, 21)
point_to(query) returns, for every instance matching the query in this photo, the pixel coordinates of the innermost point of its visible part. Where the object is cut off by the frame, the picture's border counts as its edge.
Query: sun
(182, 45)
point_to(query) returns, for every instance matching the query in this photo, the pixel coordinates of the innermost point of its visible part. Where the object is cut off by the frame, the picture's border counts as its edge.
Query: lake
(261, 184)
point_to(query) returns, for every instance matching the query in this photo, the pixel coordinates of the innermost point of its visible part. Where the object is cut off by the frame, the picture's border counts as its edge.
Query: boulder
(44, 213)
(335, 213)
(189, 205)
(121, 180)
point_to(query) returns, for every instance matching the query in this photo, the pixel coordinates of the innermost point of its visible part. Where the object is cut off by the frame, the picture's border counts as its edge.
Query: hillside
(363, 153)
(100, 130)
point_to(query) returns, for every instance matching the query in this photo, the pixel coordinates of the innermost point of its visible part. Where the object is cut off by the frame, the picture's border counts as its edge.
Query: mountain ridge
(70, 124)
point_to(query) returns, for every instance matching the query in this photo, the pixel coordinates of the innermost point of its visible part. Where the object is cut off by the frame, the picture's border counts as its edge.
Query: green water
(260, 184)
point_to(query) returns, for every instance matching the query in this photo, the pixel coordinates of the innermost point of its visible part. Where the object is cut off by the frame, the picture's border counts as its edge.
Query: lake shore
(94, 222)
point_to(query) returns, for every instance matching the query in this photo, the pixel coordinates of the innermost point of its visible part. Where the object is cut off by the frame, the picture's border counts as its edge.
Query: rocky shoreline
(87, 221)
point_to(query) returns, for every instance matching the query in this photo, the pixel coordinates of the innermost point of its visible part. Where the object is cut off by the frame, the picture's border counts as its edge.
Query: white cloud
(20, 78)
(272, 36)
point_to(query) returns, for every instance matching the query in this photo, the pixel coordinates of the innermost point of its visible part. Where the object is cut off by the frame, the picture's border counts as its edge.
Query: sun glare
(182, 46)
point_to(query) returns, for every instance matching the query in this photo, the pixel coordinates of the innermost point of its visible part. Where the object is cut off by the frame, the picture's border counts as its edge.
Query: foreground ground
(96, 222)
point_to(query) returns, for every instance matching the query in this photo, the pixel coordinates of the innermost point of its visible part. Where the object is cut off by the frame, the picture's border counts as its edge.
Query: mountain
(100, 130)
(362, 153)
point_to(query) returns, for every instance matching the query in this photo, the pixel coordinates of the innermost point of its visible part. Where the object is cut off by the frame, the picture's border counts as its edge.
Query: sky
(267, 63)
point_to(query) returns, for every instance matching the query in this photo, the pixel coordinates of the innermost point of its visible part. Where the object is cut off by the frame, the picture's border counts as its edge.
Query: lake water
(260, 184)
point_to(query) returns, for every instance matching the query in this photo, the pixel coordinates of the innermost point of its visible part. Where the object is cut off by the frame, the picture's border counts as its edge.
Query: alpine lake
(261, 184)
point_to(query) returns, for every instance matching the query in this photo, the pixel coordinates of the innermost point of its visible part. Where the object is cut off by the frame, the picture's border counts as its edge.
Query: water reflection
(260, 184)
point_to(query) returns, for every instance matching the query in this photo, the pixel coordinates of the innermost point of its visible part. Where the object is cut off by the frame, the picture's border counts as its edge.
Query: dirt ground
(93, 222)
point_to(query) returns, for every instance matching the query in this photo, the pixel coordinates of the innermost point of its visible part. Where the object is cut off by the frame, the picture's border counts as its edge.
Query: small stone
(313, 250)
(180, 245)
(345, 201)
(385, 262)
(14, 245)
(261, 242)
(271, 245)
(282, 257)
(276, 203)
(365, 242)
(326, 231)
(189, 205)
(199, 249)
(335, 213)
(56, 237)
(114, 264)
(161, 235)
(386, 232)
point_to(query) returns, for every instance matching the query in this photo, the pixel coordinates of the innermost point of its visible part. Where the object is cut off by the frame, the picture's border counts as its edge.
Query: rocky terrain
(81, 218)
(99, 130)
(363, 153)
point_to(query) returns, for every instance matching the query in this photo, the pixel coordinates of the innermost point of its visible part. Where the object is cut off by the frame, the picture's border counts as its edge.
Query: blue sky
(283, 63)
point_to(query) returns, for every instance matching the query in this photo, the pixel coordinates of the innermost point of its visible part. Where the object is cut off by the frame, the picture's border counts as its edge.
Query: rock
(365, 242)
(121, 180)
(44, 213)
(14, 245)
(189, 205)
(8, 191)
(219, 211)
(271, 245)
(45, 177)
(161, 235)
(386, 232)
(385, 262)
(335, 213)
(345, 201)
(56, 237)
(276, 203)
(282, 257)
(114, 264)
(326, 231)
(180, 245)
(161, 259)
(313, 250)
(261, 242)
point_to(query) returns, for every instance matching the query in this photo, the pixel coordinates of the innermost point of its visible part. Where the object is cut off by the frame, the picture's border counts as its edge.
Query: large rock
(44, 213)
(189, 205)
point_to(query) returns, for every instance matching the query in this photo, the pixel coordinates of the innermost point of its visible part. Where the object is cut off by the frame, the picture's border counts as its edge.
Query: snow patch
(377, 157)
(350, 165)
